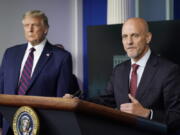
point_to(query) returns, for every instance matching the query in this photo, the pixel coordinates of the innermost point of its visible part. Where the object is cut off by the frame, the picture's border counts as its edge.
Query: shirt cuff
(151, 114)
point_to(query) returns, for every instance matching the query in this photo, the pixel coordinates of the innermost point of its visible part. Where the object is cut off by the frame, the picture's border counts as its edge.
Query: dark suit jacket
(158, 89)
(52, 75)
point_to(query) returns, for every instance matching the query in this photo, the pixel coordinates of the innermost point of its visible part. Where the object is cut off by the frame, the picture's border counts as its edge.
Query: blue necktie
(26, 74)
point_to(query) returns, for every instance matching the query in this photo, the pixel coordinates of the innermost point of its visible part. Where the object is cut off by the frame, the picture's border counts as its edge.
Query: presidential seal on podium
(25, 121)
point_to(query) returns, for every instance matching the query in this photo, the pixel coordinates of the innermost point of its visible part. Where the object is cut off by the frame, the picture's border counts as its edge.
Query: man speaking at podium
(146, 85)
(37, 67)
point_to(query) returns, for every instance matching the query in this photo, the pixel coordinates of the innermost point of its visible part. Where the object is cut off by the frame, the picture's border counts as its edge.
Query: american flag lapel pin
(47, 54)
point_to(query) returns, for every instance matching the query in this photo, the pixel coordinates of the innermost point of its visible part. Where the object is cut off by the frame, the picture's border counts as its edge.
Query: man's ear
(46, 31)
(148, 37)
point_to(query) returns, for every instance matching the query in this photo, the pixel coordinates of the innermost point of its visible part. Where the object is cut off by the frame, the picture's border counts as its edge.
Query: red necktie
(133, 81)
(26, 74)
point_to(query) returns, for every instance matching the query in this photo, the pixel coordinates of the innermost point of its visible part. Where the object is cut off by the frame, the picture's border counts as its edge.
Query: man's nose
(30, 28)
(129, 41)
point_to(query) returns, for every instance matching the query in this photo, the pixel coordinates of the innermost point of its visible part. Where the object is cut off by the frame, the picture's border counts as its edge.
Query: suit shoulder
(166, 62)
(122, 66)
(15, 47)
(60, 50)
(163, 64)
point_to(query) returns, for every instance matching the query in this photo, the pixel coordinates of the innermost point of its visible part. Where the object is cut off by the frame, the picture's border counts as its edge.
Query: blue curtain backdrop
(176, 9)
(94, 13)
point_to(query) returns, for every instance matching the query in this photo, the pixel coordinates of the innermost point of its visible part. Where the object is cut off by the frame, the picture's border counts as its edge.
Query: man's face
(135, 39)
(34, 29)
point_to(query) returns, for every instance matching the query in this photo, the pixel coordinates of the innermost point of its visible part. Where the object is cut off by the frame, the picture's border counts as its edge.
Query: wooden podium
(60, 116)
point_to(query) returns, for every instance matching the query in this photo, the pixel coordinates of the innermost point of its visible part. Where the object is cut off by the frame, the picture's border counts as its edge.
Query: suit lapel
(124, 82)
(126, 78)
(45, 56)
(17, 66)
(147, 76)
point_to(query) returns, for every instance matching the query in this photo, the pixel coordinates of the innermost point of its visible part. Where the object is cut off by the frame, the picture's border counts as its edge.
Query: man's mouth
(130, 48)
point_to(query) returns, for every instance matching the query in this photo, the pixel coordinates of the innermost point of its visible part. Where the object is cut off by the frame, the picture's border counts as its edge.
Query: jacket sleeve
(65, 76)
(2, 83)
(172, 100)
(171, 96)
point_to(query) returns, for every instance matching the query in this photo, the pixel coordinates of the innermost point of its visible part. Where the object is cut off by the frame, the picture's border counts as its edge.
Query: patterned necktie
(26, 74)
(133, 81)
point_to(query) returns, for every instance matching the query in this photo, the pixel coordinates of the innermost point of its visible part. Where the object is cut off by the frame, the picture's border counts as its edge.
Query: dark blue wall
(94, 13)
(176, 9)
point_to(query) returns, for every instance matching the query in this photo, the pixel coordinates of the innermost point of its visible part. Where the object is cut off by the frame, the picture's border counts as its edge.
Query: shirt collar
(40, 46)
(142, 62)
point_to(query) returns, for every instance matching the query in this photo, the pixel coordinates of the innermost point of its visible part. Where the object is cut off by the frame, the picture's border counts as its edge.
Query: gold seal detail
(25, 121)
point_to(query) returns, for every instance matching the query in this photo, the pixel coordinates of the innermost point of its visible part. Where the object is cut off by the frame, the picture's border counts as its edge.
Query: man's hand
(135, 108)
(68, 96)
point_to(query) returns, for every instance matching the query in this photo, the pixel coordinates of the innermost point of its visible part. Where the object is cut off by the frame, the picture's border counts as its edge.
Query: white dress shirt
(37, 53)
(142, 63)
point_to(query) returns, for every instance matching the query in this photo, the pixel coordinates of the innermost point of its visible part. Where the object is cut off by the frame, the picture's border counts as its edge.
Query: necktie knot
(32, 50)
(134, 67)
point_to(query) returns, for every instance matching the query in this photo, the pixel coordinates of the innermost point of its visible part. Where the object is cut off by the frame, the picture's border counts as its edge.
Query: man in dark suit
(155, 92)
(157, 96)
(51, 67)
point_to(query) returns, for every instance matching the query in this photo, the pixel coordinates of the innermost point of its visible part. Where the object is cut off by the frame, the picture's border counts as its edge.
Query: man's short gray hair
(37, 13)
